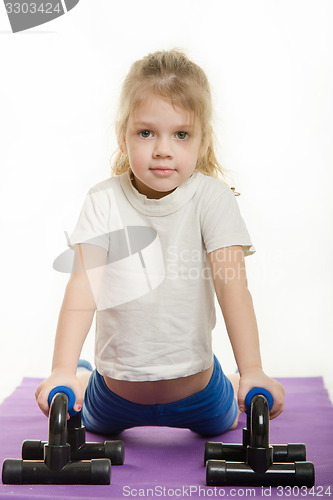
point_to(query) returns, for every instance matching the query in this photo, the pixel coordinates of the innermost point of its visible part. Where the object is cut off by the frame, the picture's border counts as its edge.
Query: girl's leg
(210, 412)
(234, 379)
(84, 377)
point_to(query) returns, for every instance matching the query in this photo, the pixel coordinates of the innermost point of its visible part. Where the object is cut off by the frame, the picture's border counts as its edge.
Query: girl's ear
(122, 145)
(206, 142)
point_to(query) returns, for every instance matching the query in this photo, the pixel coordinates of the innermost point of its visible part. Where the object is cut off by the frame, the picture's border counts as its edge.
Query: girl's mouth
(162, 171)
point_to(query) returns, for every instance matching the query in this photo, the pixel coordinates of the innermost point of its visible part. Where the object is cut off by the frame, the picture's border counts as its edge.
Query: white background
(271, 69)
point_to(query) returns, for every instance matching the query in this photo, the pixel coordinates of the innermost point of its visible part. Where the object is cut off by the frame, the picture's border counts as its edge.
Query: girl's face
(163, 144)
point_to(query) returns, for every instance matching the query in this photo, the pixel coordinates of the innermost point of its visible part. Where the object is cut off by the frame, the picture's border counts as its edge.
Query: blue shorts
(209, 412)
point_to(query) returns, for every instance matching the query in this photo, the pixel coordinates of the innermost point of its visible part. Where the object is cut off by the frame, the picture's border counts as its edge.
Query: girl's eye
(145, 134)
(182, 135)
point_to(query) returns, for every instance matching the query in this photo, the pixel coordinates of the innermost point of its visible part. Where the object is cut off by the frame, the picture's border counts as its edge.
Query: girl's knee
(234, 425)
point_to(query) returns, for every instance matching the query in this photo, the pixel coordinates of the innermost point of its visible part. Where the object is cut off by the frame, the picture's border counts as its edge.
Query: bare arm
(75, 318)
(230, 281)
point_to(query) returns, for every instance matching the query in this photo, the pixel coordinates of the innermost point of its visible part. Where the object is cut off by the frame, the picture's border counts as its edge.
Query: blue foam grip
(70, 394)
(253, 392)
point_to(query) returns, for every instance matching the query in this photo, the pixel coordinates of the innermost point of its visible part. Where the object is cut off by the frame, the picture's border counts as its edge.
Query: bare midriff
(160, 391)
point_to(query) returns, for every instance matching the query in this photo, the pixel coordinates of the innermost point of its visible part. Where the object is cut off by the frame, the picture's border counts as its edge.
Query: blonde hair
(171, 75)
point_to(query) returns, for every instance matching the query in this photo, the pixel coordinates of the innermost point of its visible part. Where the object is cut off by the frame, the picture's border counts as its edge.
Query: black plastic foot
(293, 452)
(113, 450)
(36, 472)
(222, 473)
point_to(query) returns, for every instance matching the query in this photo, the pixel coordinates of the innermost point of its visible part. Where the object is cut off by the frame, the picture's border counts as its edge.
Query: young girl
(153, 245)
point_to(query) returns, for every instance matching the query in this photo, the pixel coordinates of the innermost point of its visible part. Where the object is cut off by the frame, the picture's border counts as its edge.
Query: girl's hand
(59, 377)
(257, 378)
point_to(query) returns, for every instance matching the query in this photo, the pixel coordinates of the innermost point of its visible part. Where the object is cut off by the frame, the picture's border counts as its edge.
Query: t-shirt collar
(163, 206)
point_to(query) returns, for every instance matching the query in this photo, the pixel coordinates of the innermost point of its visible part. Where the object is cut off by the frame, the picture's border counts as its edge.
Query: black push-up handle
(55, 461)
(255, 462)
(80, 450)
(292, 452)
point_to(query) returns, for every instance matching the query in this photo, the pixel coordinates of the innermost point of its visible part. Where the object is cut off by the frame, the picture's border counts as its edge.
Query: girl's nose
(162, 148)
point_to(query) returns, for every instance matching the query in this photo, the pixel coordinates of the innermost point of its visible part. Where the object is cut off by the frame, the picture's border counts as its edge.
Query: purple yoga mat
(164, 462)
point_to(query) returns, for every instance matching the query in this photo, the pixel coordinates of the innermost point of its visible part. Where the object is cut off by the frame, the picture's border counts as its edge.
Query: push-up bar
(66, 458)
(255, 462)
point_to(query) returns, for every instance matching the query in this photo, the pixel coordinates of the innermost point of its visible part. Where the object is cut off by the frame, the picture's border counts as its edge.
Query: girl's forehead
(158, 106)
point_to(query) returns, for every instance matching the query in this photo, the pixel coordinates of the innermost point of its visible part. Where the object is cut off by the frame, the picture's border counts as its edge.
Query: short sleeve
(92, 226)
(223, 225)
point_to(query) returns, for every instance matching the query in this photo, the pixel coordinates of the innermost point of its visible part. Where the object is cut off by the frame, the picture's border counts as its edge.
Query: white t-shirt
(155, 295)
